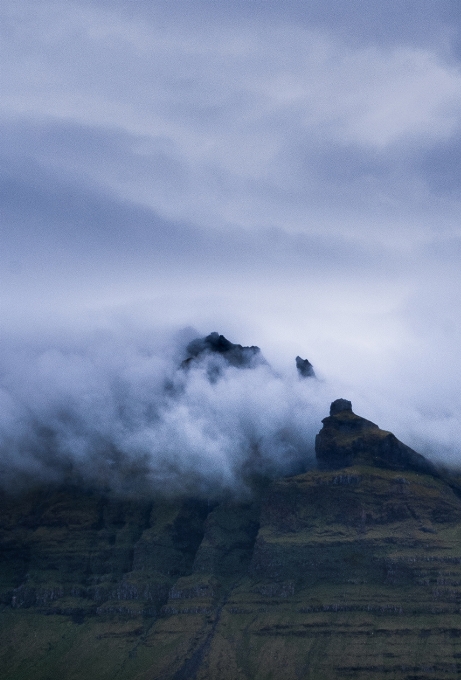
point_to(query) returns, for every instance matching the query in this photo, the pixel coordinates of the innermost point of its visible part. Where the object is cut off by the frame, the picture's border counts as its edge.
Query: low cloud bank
(151, 413)
(133, 409)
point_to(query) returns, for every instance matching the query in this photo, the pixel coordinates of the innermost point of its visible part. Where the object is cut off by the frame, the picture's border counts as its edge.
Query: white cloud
(298, 164)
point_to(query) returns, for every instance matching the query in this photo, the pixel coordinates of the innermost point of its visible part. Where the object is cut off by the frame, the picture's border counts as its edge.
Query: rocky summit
(350, 570)
(215, 344)
(347, 439)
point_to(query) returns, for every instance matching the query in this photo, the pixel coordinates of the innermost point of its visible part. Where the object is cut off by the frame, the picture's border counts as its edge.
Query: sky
(284, 173)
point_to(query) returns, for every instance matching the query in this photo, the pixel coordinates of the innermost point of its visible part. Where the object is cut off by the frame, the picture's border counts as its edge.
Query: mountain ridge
(351, 570)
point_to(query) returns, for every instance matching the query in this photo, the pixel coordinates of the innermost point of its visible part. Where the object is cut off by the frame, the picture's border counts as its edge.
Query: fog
(114, 406)
(122, 413)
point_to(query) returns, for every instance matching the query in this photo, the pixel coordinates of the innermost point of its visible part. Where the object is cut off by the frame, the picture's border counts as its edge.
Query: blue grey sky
(285, 173)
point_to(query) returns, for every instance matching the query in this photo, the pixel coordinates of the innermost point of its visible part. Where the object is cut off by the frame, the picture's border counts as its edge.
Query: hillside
(352, 570)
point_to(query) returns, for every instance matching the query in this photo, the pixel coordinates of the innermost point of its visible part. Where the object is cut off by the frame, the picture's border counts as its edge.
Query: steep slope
(349, 571)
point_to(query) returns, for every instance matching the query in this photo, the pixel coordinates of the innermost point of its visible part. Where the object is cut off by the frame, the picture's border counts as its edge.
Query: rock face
(305, 368)
(352, 570)
(233, 354)
(347, 439)
(215, 345)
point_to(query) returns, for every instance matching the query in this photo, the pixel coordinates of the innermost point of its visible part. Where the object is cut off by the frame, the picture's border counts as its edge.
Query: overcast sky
(287, 174)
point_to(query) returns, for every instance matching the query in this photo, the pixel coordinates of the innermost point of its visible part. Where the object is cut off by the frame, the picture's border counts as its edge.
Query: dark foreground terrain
(349, 571)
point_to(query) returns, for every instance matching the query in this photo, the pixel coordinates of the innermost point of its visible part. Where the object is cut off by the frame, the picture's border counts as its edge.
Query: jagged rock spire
(305, 368)
(216, 344)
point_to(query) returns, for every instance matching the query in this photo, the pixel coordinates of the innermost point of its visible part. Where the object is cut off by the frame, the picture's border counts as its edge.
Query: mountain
(218, 345)
(351, 570)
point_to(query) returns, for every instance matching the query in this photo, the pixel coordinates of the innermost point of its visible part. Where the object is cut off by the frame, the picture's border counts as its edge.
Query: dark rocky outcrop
(305, 368)
(216, 344)
(347, 439)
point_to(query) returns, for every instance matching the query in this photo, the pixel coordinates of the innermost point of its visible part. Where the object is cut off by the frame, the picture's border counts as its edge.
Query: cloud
(286, 174)
(225, 124)
(120, 411)
(112, 406)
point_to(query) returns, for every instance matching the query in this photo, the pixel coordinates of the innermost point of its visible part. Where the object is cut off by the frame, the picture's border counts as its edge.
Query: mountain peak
(340, 405)
(216, 344)
(305, 368)
(348, 439)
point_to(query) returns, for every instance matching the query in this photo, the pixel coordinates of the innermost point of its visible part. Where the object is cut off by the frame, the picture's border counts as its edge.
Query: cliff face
(347, 439)
(349, 571)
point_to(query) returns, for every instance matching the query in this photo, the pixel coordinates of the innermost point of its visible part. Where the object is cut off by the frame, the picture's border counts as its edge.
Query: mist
(122, 412)
(117, 406)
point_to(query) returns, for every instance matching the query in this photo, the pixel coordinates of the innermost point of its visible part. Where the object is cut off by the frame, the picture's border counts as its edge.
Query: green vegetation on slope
(336, 573)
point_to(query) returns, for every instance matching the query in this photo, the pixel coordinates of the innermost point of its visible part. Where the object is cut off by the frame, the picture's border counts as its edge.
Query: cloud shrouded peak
(284, 174)
(115, 411)
(216, 344)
